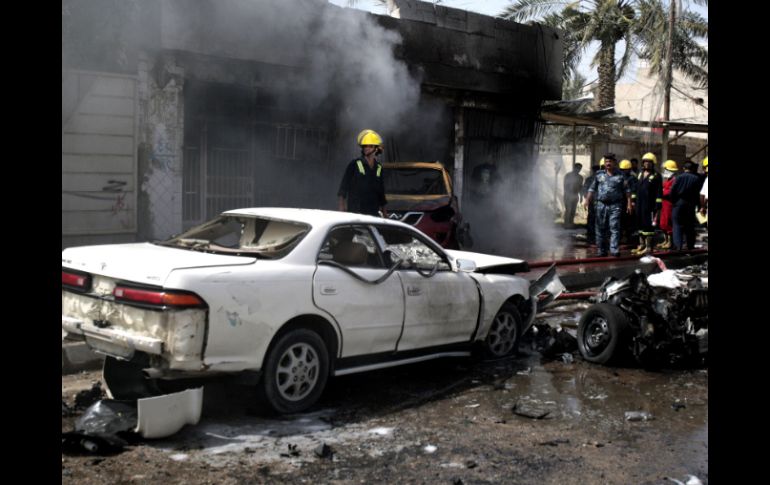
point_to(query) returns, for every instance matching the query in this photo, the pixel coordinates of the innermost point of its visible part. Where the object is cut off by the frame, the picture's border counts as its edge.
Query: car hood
(142, 262)
(488, 263)
(416, 202)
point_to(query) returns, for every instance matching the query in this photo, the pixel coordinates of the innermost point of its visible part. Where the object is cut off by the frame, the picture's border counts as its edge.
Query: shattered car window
(351, 246)
(405, 246)
(231, 234)
(415, 181)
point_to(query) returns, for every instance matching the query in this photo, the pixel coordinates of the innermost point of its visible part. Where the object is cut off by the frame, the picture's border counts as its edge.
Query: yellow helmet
(601, 162)
(671, 166)
(369, 137)
(650, 156)
(625, 164)
(706, 162)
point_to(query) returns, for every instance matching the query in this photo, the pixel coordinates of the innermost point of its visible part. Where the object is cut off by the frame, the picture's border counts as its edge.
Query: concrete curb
(77, 356)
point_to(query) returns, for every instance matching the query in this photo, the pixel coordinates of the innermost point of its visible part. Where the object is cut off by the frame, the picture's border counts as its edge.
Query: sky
(494, 7)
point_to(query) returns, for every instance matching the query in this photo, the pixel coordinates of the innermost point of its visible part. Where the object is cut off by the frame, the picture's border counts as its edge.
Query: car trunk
(120, 329)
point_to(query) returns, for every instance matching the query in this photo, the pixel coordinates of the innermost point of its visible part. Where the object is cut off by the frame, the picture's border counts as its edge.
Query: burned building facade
(173, 112)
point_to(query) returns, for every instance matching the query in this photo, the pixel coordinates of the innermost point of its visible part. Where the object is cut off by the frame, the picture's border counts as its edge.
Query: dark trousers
(570, 204)
(683, 218)
(591, 223)
(608, 227)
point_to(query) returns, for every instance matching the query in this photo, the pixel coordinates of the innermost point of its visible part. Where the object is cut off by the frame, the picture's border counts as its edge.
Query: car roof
(314, 217)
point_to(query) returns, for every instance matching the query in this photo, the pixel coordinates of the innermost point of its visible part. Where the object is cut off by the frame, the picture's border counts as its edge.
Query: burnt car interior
(229, 234)
(351, 246)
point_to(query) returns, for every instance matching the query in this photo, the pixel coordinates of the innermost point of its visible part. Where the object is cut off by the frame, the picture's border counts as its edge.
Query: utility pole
(669, 74)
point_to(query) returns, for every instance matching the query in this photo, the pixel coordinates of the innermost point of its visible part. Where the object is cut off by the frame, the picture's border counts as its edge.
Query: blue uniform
(610, 192)
(685, 195)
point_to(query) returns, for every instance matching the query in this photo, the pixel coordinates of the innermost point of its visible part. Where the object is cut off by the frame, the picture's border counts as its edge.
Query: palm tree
(586, 21)
(688, 56)
(641, 24)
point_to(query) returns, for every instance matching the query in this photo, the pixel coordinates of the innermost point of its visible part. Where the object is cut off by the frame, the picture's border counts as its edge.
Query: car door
(440, 308)
(370, 315)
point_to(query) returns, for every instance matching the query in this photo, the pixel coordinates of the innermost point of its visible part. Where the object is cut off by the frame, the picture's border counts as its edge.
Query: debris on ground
(556, 442)
(470, 464)
(691, 480)
(323, 451)
(66, 410)
(639, 416)
(553, 342)
(105, 428)
(87, 397)
(676, 406)
(293, 451)
(527, 411)
(430, 449)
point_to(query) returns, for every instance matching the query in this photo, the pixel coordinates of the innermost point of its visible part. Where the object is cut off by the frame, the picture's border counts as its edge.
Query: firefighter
(704, 190)
(362, 189)
(610, 188)
(627, 222)
(670, 170)
(649, 197)
(685, 194)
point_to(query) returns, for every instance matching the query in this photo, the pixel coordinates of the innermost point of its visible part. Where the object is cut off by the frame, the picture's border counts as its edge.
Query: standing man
(573, 182)
(362, 183)
(591, 218)
(649, 199)
(610, 188)
(685, 195)
(670, 170)
(627, 221)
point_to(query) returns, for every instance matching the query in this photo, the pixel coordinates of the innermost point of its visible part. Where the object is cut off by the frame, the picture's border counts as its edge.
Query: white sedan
(288, 298)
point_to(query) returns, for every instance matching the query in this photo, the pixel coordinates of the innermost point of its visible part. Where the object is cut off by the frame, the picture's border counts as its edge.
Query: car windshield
(237, 234)
(415, 181)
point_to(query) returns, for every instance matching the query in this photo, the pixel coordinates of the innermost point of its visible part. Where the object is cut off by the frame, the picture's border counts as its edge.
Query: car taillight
(156, 297)
(76, 280)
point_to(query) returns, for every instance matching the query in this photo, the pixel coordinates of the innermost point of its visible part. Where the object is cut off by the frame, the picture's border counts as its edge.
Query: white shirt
(705, 190)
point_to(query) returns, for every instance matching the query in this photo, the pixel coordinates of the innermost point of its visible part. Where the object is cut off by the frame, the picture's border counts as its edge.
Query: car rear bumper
(114, 342)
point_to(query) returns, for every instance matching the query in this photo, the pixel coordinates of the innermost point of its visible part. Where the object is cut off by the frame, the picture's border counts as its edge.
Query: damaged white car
(288, 298)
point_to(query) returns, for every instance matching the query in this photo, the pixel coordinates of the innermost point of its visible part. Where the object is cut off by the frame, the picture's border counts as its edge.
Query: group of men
(621, 200)
(617, 197)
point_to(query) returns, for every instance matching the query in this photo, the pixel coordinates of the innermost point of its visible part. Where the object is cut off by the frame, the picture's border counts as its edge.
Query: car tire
(602, 334)
(295, 372)
(504, 333)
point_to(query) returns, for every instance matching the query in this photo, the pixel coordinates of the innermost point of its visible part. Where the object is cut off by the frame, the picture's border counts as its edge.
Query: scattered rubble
(527, 411)
(323, 451)
(639, 416)
(87, 397)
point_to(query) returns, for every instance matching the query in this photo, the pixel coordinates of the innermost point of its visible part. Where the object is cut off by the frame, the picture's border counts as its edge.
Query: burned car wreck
(286, 299)
(658, 320)
(420, 194)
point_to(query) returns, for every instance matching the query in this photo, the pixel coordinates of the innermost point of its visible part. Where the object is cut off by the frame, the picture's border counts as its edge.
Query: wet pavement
(447, 421)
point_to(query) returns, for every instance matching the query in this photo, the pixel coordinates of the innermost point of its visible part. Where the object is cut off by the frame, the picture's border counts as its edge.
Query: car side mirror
(466, 265)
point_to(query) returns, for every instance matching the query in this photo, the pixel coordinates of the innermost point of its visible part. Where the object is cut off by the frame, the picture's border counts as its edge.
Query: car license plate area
(109, 348)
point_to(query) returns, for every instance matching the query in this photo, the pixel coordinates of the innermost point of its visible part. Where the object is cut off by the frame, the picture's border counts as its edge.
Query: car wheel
(295, 371)
(601, 333)
(504, 333)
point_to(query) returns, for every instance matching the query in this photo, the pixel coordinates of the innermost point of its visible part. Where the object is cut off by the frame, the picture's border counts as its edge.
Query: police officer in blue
(362, 189)
(612, 194)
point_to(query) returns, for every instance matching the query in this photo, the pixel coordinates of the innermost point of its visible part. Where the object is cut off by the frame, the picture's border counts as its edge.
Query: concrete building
(174, 111)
